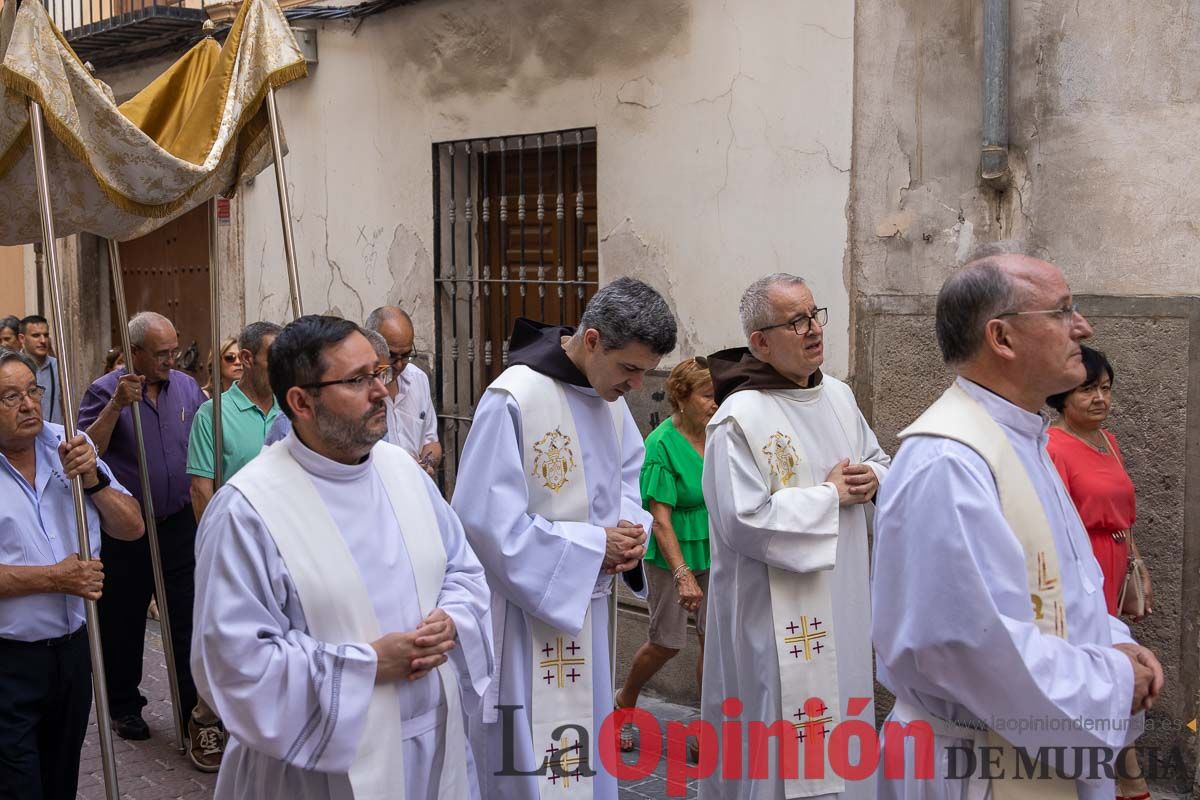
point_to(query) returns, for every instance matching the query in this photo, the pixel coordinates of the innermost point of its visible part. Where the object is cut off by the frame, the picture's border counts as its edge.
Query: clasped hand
(624, 548)
(412, 655)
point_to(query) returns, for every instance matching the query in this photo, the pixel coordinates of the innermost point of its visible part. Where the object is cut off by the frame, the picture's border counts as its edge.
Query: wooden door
(167, 271)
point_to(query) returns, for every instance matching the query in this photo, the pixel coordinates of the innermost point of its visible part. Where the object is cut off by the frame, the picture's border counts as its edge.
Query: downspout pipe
(994, 168)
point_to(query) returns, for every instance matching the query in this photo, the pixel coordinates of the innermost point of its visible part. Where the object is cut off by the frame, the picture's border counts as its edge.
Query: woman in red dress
(1091, 466)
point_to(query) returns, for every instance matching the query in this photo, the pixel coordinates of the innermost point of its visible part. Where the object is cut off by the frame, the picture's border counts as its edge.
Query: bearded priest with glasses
(342, 628)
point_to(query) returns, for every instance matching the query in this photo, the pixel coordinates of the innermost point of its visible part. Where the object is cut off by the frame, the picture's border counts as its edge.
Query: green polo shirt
(243, 429)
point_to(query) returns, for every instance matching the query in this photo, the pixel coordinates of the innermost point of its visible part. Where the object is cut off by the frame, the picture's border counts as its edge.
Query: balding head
(396, 328)
(155, 345)
(1006, 319)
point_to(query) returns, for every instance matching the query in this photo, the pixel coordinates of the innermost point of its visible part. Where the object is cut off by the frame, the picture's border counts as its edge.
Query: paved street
(154, 770)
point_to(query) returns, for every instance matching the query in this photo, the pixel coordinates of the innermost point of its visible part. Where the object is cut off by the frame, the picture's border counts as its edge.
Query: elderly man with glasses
(990, 625)
(789, 467)
(45, 669)
(342, 626)
(168, 400)
(412, 423)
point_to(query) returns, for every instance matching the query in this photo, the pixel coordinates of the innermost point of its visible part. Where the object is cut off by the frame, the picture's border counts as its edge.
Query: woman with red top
(1091, 466)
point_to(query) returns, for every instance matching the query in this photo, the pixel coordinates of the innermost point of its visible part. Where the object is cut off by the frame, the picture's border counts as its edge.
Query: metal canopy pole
(85, 551)
(214, 312)
(285, 206)
(160, 591)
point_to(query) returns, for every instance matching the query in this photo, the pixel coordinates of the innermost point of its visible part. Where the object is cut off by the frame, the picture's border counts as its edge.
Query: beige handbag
(1131, 602)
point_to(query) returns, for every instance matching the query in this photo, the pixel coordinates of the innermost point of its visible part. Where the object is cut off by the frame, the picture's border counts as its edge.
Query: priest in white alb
(789, 465)
(342, 629)
(548, 494)
(990, 624)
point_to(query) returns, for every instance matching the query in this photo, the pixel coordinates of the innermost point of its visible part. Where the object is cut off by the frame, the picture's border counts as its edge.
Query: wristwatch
(102, 483)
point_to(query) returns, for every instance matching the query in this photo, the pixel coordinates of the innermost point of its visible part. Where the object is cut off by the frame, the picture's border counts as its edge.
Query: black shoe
(131, 726)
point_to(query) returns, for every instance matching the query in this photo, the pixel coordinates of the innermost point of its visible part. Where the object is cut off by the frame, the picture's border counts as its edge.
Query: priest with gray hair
(789, 466)
(990, 625)
(548, 492)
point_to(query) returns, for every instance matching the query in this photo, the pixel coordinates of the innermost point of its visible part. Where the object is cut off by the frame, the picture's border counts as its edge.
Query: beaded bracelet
(678, 573)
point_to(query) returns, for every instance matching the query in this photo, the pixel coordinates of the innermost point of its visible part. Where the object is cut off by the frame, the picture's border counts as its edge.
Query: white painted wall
(724, 134)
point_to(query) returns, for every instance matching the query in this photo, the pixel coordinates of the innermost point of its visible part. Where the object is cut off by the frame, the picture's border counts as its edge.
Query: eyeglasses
(401, 358)
(14, 399)
(163, 356)
(229, 358)
(802, 324)
(359, 382)
(1064, 314)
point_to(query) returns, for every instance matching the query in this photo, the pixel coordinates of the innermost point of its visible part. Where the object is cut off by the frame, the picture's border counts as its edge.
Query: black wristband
(102, 483)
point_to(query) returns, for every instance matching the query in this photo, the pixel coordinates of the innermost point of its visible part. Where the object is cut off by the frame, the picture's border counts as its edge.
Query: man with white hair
(788, 468)
(168, 401)
(990, 622)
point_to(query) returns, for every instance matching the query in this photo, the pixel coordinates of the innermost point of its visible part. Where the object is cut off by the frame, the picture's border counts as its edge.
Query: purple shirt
(166, 428)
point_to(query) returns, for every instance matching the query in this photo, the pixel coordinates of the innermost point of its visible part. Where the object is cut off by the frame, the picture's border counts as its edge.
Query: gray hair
(755, 310)
(11, 322)
(977, 293)
(628, 310)
(140, 324)
(384, 314)
(377, 341)
(252, 336)
(7, 356)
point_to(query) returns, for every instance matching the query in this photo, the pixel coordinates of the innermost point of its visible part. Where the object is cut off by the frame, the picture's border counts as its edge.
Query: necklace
(1100, 448)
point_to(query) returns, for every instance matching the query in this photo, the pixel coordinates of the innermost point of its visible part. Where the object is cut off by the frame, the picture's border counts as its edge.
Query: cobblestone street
(154, 769)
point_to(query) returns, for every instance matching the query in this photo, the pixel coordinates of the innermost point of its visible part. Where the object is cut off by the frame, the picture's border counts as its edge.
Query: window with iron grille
(514, 236)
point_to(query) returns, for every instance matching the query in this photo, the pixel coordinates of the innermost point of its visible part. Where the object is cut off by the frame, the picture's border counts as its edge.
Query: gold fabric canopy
(197, 130)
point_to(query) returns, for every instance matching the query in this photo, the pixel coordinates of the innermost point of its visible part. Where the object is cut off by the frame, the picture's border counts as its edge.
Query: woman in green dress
(677, 556)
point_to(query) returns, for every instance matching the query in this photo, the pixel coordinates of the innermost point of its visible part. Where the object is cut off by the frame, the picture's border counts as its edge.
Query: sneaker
(131, 726)
(206, 744)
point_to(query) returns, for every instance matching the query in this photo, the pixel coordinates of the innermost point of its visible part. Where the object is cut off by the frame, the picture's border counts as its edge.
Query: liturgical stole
(337, 605)
(801, 602)
(956, 415)
(561, 662)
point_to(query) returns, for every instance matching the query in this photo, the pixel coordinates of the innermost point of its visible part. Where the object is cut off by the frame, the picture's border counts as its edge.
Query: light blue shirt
(47, 378)
(37, 529)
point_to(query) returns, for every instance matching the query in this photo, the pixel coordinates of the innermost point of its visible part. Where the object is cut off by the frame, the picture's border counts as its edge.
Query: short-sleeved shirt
(672, 474)
(37, 529)
(244, 427)
(165, 424)
(412, 423)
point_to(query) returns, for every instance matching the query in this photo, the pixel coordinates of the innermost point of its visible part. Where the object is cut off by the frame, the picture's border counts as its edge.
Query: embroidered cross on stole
(562, 662)
(801, 602)
(956, 415)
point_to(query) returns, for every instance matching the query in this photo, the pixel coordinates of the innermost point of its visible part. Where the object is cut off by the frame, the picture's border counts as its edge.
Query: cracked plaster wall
(723, 146)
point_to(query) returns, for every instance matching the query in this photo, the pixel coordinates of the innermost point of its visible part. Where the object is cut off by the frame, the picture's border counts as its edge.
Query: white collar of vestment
(317, 464)
(1005, 412)
(799, 394)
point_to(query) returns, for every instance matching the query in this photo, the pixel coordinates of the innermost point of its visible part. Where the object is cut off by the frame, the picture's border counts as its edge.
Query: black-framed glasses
(802, 324)
(11, 400)
(1064, 314)
(359, 382)
(401, 358)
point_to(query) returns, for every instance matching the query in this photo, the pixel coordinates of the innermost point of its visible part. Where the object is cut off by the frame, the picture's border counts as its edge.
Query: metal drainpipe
(994, 159)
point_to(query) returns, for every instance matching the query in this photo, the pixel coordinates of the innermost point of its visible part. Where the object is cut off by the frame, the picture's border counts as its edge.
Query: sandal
(625, 737)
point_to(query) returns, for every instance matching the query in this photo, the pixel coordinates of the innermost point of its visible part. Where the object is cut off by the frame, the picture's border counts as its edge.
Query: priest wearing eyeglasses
(342, 628)
(789, 467)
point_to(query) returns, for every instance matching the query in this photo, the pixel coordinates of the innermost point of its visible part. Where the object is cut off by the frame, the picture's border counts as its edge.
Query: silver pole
(54, 279)
(612, 635)
(214, 299)
(285, 206)
(160, 591)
